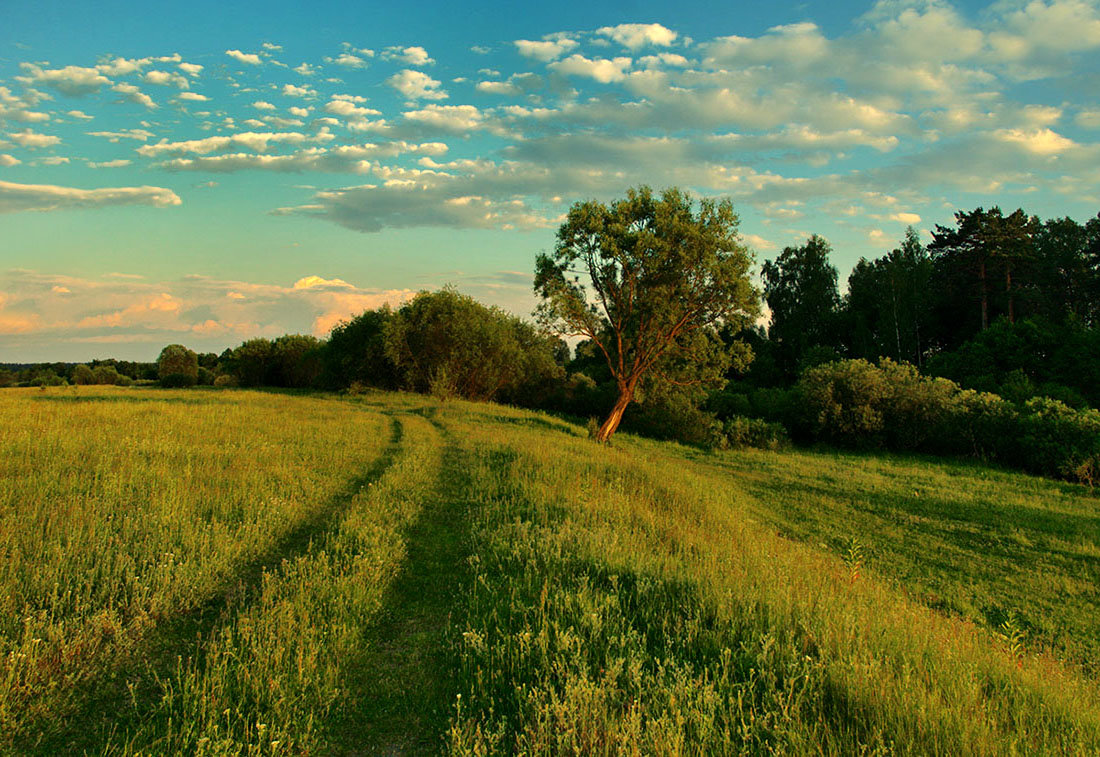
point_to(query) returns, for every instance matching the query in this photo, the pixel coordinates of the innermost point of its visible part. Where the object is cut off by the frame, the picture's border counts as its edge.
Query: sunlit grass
(252, 573)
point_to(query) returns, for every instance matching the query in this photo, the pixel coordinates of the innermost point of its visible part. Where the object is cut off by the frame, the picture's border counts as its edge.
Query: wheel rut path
(135, 681)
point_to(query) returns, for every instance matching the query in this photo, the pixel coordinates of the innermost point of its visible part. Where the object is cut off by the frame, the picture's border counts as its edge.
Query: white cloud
(601, 69)
(456, 118)
(498, 88)
(191, 69)
(414, 56)
(130, 93)
(290, 90)
(250, 58)
(357, 159)
(635, 36)
(907, 218)
(258, 141)
(34, 140)
(306, 69)
(141, 135)
(1038, 141)
(296, 111)
(544, 50)
(7, 161)
(110, 163)
(166, 78)
(45, 197)
(70, 80)
(347, 60)
(416, 85)
(263, 105)
(192, 96)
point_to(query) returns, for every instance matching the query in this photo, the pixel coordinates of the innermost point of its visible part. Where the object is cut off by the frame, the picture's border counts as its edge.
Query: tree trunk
(626, 394)
(985, 296)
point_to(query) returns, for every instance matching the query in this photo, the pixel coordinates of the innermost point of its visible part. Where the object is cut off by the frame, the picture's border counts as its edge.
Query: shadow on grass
(120, 698)
(404, 681)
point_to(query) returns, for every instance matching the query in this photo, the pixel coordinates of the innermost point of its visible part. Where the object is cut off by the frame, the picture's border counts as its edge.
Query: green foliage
(648, 280)
(887, 310)
(82, 375)
(226, 380)
(252, 362)
(854, 403)
(296, 361)
(177, 366)
(356, 352)
(449, 345)
(800, 287)
(741, 432)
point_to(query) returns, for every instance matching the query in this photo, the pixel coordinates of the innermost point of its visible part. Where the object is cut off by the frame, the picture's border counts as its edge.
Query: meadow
(234, 572)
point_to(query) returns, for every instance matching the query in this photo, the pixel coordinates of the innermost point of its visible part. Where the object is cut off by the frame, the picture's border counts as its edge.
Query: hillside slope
(254, 573)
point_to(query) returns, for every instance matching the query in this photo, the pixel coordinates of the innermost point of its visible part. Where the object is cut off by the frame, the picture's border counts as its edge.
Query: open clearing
(231, 572)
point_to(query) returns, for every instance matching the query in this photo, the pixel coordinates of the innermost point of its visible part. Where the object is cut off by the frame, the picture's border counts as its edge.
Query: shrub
(83, 375)
(225, 380)
(106, 375)
(754, 432)
(205, 377)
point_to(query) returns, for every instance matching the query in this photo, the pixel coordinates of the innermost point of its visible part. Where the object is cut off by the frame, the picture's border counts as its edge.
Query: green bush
(856, 404)
(754, 432)
(225, 380)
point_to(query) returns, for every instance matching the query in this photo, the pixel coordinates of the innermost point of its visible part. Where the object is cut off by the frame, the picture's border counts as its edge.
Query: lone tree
(177, 366)
(648, 280)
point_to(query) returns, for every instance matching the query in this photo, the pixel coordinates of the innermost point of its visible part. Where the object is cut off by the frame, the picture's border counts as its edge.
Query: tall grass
(248, 573)
(124, 508)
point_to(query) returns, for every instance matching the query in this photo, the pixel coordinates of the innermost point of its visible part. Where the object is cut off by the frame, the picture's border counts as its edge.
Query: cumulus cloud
(416, 85)
(141, 135)
(166, 78)
(74, 81)
(601, 69)
(249, 58)
(414, 56)
(455, 118)
(635, 36)
(34, 140)
(259, 141)
(545, 50)
(45, 197)
(360, 159)
(131, 93)
(7, 161)
(192, 97)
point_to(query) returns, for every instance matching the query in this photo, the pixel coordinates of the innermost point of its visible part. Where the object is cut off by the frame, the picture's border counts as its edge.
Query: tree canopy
(648, 279)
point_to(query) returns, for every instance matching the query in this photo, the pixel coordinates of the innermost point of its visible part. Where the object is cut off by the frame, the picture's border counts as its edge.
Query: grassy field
(230, 572)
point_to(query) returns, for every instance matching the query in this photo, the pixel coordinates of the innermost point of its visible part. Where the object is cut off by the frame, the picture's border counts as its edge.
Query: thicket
(854, 403)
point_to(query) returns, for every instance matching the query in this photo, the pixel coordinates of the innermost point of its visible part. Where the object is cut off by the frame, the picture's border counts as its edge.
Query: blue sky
(205, 173)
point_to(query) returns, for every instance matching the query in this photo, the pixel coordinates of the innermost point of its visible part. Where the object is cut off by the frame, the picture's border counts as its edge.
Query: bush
(106, 375)
(205, 377)
(225, 380)
(83, 375)
(854, 403)
(753, 432)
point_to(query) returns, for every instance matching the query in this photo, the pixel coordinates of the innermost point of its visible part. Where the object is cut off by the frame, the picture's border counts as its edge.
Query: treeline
(110, 371)
(999, 303)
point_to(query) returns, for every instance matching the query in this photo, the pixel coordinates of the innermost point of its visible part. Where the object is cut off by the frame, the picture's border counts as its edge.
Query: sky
(203, 173)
